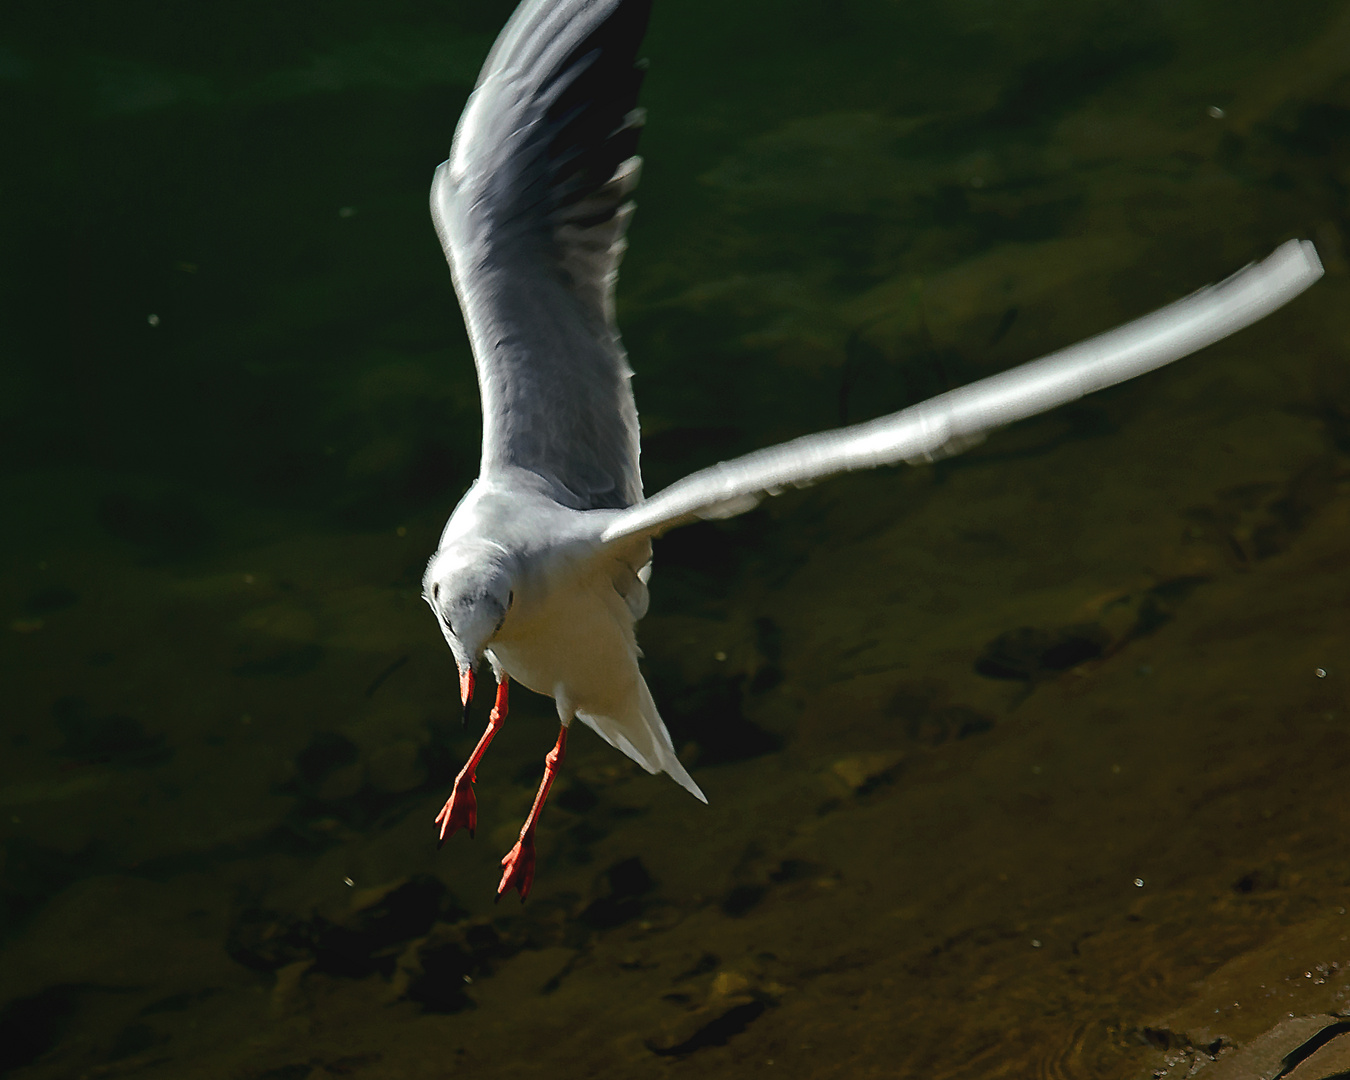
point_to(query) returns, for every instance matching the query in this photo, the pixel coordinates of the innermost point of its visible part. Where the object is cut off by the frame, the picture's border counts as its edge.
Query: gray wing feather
(951, 421)
(531, 209)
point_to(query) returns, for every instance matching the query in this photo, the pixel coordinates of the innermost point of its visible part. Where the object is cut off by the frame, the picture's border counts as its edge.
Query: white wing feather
(956, 419)
(531, 210)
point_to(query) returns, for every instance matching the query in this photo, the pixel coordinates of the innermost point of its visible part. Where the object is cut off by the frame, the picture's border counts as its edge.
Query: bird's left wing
(951, 421)
(531, 210)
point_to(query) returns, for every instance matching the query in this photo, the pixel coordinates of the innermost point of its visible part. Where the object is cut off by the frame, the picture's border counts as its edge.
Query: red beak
(466, 690)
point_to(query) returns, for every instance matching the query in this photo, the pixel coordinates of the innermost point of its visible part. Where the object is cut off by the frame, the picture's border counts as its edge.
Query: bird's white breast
(575, 644)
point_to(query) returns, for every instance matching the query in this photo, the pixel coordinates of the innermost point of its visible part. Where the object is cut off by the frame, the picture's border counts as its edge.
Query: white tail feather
(644, 738)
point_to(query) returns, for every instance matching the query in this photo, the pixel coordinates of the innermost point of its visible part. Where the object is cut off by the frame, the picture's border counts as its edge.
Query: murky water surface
(1032, 762)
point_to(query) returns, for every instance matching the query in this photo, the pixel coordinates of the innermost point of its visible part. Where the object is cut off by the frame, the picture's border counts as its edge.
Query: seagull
(542, 569)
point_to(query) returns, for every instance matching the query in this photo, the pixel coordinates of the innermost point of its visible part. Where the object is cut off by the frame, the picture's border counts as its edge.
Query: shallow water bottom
(1088, 823)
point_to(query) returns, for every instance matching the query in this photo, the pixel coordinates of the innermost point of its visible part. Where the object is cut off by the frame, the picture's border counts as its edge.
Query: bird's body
(565, 595)
(542, 568)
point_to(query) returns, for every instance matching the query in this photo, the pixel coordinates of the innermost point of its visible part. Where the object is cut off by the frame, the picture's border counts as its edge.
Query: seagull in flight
(542, 569)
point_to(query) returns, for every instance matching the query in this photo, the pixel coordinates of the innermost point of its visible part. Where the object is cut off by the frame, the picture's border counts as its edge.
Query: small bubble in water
(1035, 943)
(348, 882)
(152, 319)
(346, 211)
(1138, 883)
(719, 656)
(1215, 113)
(1320, 672)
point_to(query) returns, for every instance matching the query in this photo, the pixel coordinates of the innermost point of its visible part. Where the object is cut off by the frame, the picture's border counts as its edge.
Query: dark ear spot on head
(435, 590)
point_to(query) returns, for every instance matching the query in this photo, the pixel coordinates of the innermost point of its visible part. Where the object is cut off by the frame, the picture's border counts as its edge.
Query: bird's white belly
(577, 647)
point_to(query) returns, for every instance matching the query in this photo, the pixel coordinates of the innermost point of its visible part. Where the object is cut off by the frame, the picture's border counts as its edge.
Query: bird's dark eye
(436, 590)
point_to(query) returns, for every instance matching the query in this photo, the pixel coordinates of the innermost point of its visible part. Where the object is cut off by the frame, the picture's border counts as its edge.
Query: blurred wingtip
(1314, 261)
(1296, 258)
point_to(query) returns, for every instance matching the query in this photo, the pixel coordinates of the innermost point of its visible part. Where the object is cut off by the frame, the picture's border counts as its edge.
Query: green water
(1019, 764)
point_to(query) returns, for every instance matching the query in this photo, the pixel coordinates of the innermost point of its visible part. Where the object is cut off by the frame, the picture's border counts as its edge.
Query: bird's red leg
(518, 863)
(461, 809)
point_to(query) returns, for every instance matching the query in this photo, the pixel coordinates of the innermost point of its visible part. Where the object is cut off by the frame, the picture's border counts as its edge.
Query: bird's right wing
(951, 421)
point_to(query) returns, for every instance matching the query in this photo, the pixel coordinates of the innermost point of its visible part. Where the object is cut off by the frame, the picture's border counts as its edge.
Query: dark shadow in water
(711, 714)
(105, 740)
(1052, 86)
(1029, 653)
(628, 882)
(288, 664)
(447, 967)
(164, 527)
(716, 1032)
(34, 874)
(47, 600)
(366, 941)
(31, 1026)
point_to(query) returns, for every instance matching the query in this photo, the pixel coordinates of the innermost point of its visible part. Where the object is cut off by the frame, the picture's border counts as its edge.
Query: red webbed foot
(459, 812)
(518, 867)
(518, 864)
(461, 809)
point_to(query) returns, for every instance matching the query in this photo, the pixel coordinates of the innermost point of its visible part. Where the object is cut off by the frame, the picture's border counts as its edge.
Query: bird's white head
(469, 587)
